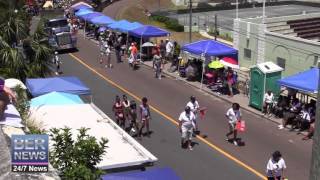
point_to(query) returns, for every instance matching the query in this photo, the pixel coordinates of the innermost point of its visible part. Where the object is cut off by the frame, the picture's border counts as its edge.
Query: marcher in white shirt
(186, 125)
(233, 115)
(169, 50)
(194, 107)
(276, 166)
(267, 102)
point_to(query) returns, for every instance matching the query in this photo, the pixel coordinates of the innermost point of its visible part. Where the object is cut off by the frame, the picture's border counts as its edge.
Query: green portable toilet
(263, 77)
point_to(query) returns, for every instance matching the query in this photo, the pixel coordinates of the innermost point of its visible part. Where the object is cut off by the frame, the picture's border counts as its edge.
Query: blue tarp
(55, 98)
(306, 81)
(152, 174)
(102, 20)
(209, 48)
(129, 27)
(82, 12)
(148, 31)
(68, 84)
(81, 6)
(116, 25)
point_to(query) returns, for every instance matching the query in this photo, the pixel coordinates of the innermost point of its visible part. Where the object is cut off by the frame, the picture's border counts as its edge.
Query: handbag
(240, 126)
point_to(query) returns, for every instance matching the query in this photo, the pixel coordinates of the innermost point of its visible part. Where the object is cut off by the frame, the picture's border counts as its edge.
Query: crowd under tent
(209, 48)
(122, 151)
(67, 84)
(152, 174)
(55, 98)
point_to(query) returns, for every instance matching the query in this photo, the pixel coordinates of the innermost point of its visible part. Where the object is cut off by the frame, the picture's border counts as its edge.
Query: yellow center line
(172, 120)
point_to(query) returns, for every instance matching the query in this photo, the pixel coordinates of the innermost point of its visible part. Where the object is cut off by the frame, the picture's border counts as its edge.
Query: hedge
(170, 23)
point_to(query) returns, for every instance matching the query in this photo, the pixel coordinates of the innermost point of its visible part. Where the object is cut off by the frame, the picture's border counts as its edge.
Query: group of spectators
(300, 115)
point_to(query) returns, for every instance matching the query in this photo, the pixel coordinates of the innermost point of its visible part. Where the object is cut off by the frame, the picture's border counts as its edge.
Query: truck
(60, 36)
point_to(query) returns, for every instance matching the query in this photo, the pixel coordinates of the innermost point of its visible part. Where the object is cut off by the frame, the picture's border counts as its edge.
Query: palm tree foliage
(21, 56)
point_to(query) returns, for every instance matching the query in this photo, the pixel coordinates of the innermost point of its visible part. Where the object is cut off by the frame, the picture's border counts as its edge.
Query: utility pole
(237, 9)
(190, 21)
(315, 158)
(215, 26)
(263, 11)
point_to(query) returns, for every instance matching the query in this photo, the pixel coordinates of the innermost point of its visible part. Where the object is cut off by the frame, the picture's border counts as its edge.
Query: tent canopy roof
(130, 26)
(149, 31)
(306, 81)
(154, 174)
(81, 5)
(82, 12)
(68, 84)
(89, 16)
(55, 98)
(117, 24)
(209, 48)
(102, 20)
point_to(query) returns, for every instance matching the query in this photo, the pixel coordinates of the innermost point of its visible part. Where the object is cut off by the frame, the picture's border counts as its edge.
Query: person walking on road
(157, 63)
(126, 106)
(193, 104)
(57, 62)
(162, 49)
(186, 125)
(169, 50)
(276, 166)
(233, 115)
(145, 116)
(102, 49)
(118, 110)
(117, 48)
(133, 117)
(108, 55)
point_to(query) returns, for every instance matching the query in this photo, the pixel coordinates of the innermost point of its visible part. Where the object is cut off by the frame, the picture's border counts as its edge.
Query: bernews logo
(29, 153)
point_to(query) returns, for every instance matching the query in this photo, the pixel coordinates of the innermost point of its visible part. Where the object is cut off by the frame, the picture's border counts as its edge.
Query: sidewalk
(238, 98)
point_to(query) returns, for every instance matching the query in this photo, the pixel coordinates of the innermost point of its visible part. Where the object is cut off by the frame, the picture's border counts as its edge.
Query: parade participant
(186, 125)
(145, 116)
(126, 106)
(194, 107)
(118, 111)
(108, 55)
(276, 166)
(133, 117)
(102, 44)
(233, 115)
(157, 63)
(57, 62)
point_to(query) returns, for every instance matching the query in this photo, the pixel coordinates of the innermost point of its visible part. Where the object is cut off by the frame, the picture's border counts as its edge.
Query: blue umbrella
(102, 20)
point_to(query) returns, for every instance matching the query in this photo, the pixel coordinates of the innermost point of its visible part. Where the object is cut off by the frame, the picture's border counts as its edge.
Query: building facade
(292, 42)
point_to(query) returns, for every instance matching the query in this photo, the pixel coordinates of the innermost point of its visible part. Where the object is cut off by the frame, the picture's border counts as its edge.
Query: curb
(246, 108)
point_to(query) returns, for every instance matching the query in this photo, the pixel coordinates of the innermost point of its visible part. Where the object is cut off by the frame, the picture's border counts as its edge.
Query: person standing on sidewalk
(276, 166)
(162, 49)
(186, 125)
(157, 63)
(57, 62)
(108, 55)
(233, 115)
(268, 103)
(117, 49)
(169, 50)
(193, 104)
(145, 116)
(176, 54)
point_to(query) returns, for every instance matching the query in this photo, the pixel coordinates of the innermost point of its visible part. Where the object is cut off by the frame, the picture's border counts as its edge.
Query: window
(247, 53)
(281, 62)
(315, 60)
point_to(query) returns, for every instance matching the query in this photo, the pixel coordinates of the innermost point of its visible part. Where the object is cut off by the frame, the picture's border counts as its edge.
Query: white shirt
(305, 115)
(187, 120)
(268, 98)
(233, 116)
(169, 47)
(193, 106)
(277, 167)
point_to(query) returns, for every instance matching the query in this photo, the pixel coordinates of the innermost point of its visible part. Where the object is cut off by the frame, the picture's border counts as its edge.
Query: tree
(76, 159)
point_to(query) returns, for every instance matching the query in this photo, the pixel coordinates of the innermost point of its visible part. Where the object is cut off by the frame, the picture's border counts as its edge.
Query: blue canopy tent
(118, 24)
(89, 16)
(148, 32)
(102, 20)
(83, 12)
(80, 5)
(306, 81)
(68, 84)
(208, 48)
(128, 27)
(151, 174)
(56, 98)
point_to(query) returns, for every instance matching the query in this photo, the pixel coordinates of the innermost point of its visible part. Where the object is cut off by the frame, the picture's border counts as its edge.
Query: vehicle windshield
(57, 23)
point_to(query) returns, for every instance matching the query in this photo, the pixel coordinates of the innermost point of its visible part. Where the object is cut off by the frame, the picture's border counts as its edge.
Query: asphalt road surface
(225, 18)
(169, 97)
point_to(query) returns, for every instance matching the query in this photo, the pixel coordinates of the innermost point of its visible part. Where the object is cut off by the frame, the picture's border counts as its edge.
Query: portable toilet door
(257, 79)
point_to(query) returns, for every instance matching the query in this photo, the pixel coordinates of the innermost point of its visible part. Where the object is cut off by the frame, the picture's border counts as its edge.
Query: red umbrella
(230, 62)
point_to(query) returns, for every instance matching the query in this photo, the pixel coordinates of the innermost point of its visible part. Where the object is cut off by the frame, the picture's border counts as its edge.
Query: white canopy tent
(122, 150)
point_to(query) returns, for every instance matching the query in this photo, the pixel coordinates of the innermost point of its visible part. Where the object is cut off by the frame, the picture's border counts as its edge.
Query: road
(169, 97)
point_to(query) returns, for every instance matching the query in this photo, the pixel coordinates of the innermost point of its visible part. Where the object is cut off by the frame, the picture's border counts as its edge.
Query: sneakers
(235, 143)
(280, 126)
